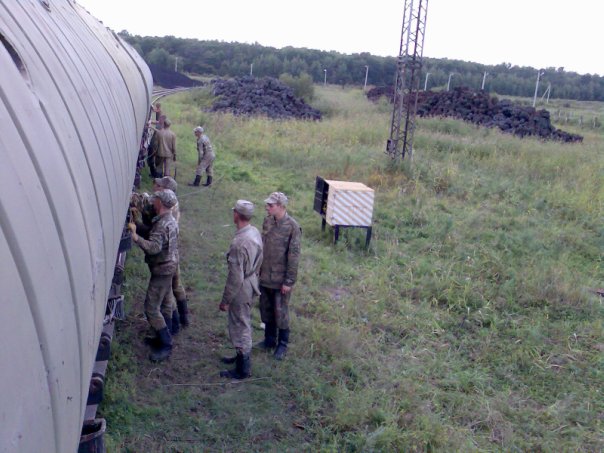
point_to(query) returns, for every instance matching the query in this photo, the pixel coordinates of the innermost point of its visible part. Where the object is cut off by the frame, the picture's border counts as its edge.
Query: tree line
(227, 59)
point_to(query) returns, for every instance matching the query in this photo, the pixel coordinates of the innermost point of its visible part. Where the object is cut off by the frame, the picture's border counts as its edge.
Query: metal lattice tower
(406, 87)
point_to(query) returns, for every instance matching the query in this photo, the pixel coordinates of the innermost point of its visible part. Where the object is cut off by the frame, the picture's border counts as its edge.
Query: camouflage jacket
(143, 213)
(166, 141)
(281, 239)
(161, 250)
(204, 149)
(243, 259)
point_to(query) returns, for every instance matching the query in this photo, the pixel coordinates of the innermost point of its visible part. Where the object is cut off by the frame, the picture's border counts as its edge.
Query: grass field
(468, 325)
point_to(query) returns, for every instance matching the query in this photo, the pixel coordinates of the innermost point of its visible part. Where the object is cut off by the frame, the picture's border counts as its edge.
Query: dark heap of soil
(171, 79)
(374, 94)
(263, 96)
(480, 108)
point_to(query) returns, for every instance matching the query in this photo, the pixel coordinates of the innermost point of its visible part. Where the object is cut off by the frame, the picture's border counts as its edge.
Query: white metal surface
(73, 103)
(349, 204)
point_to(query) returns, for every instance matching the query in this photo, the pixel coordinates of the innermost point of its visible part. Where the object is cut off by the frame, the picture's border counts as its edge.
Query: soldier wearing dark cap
(281, 239)
(161, 255)
(243, 259)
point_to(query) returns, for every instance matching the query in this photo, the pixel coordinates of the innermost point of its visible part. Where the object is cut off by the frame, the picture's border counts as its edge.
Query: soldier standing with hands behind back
(243, 259)
(281, 239)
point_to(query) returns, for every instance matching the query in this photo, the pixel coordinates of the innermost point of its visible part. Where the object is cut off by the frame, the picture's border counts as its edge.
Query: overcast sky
(538, 33)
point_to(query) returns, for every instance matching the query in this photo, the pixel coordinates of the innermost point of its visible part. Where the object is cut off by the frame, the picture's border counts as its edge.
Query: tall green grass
(468, 325)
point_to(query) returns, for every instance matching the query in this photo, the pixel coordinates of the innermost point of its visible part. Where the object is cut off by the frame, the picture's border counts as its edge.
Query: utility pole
(251, 69)
(426, 81)
(324, 77)
(175, 64)
(484, 78)
(547, 92)
(449, 81)
(366, 74)
(539, 74)
(406, 87)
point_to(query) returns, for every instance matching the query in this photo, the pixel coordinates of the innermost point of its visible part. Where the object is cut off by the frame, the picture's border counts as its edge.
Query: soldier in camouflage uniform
(166, 149)
(243, 259)
(161, 255)
(281, 239)
(205, 159)
(143, 214)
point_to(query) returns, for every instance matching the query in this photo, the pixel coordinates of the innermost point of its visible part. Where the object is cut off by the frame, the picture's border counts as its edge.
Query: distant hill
(234, 59)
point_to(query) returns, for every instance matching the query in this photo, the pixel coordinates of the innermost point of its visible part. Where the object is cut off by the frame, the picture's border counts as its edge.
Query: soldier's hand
(132, 228)
(223, 306)
(285, 289)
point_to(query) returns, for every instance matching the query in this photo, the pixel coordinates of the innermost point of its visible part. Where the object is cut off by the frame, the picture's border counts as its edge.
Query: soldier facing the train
(161, 255)
(243, 260)
(166, 149)
(143, 214)
(281, 236)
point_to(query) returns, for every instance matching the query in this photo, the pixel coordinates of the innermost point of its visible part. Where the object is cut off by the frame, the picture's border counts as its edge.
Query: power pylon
(406, 87)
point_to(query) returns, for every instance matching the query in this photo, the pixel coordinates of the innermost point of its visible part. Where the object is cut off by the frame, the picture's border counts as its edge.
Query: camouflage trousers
(274, 307)
(177, 287)
(240, 323)
(207, 165)
(159, 301)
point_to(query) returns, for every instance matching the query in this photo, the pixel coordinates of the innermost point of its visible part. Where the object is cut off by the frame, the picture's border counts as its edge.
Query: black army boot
(165, 349)
(175, 323)
(270, 337)
(246, 366)
(183, 311)
(208, 181)
(282, 346)
(243, 367)
(229, 360)
(236, 372)
(196, 182)
(155, 341)
(152, 340)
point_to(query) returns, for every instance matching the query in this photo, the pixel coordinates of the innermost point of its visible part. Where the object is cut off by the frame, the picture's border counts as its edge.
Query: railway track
(159, 93)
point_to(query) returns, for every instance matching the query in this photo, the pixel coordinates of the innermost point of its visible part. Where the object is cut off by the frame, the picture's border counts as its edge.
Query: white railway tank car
(74, 99)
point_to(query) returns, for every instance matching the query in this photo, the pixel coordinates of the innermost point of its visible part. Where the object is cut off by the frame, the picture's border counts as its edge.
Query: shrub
(303, 85)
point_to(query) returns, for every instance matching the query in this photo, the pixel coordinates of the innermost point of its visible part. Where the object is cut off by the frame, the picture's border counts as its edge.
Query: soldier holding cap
(243, 259)
(205, 158)
(161, 255)
(281, 240)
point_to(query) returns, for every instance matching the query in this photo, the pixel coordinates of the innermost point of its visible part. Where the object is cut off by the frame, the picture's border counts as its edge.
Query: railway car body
(74, 100)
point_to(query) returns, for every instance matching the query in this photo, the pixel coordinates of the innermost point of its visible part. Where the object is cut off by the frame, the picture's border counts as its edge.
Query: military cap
(167, 182)
(198, 129)
(167, 122)
(167, 197)
(277, 198)
(244, 207)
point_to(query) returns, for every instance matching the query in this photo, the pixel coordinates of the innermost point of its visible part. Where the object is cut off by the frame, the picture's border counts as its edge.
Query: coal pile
(171, 79)
(480, 108)
(374, 94)
(260, 96)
